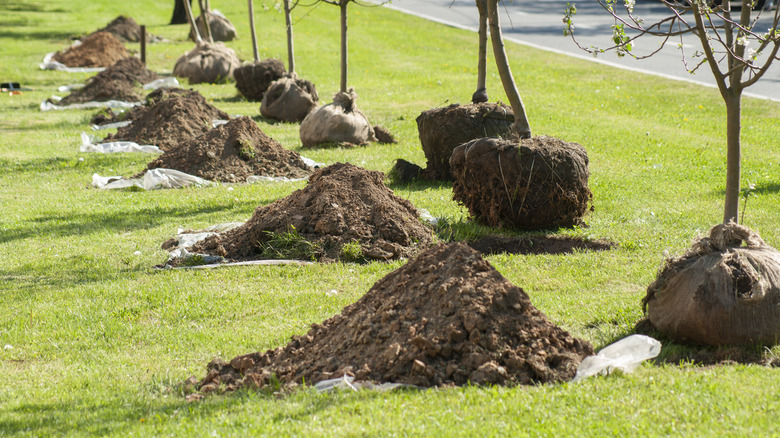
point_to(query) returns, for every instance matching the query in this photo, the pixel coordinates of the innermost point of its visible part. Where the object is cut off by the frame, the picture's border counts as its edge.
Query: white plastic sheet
(48, 106)
(50, 64)
(88, 145)
(112, 125)
(169, 82)
(152, 180)
(624, 355)
(348, 382)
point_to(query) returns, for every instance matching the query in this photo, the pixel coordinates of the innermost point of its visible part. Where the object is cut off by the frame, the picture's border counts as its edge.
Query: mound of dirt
(124, 28)
(383, 135)
(172, 116)
(445, 318)
(538, 183)
(720, 292)
(441, 130)
(232, 152)
(100, 49)
(289, 99)
(117, 82)
(344, 213)
(253, 79)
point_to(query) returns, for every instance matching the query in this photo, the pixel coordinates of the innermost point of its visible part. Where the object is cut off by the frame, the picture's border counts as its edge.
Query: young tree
(734, 48)
(481, 95)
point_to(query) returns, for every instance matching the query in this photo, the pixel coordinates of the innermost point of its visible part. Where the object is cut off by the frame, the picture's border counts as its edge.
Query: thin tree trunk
(481, 95)
(343, 4)
(502, 63)
(205, 18)
(290, 47)
(255, 51)
(733, 128)
(179, 12)
(191, 18)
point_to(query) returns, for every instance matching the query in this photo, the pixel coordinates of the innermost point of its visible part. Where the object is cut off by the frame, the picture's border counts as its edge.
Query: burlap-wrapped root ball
(207, 62)
(289, 99)
(337, 122)
(221, 28)
(443, 129)
(538, 183)
(719, 292)
(253, 79)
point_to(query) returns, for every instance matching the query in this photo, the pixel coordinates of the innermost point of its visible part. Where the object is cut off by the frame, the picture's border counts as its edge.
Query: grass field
(97, 342)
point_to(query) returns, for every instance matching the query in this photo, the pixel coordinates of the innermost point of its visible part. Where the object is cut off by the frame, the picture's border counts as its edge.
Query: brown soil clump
(124, 28)
(441, 130)
(383, 135)
(117, 82)
(100, 49)
(538, 183)
(445, 318)
(253, 79)
(232, 152)
(344, 213)
(171, 117)
(537, 245)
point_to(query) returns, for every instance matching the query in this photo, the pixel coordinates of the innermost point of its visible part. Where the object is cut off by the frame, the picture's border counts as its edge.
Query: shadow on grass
(418, 185)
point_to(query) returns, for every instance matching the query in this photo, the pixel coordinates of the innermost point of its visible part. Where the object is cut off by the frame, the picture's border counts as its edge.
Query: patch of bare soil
(344, 213)
(537, 183)
(253, 79)
(172, 116)
(537, 244)
(445, 318)
(441, 130)
(126, 29)
(100, 49)
(118, 82)
(232, 152)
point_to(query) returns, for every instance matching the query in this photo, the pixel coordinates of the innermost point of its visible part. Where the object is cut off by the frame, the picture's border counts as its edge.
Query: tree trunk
(290, 48)
(733, 128)
(502, 63)
(180, 12)
(481, 95)
(205, 18)
(343, 4)
(191, 19)
(255, 51)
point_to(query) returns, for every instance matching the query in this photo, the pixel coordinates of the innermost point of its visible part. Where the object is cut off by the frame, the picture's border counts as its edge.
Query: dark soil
(383, 135)
(342, 205)
(171, 117)
(232, 152)
(125, 28)
(538, 183)
(405, 172)
(252, 80)
(443, 129)
(537, 245)
(445, 318)
(100, 49)
(118, 82)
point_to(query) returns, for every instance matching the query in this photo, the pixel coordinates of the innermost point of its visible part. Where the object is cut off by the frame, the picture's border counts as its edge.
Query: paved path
(539, 24)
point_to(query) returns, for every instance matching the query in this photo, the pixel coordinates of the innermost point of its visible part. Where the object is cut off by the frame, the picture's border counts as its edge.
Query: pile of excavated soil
(232, 152)
(117, 82)
(100, 49)
(124, 28)
(445, 318)
(171, 117)
(342, 205)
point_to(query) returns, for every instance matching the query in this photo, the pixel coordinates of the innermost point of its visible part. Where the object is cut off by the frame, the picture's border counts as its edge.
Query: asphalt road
(539, 24)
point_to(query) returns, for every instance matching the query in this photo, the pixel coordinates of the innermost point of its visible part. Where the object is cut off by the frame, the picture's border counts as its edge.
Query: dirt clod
(538, 183)
(232, 152)
(344, 213)
(445, 318)
(118, 82)
(126, 29)
(443, 129)
(171, 116)
(100, 49)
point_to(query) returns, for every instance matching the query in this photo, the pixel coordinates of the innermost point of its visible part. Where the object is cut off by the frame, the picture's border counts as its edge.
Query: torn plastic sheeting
(348, 382)
(50, 64)
(311, 163)
(624, 355)
(169, 82)
(69, 88)
(187, 239)
(48, 106)
(88, 145)
(152, 180)
(121, 124)
(255, 178)
(427, 216)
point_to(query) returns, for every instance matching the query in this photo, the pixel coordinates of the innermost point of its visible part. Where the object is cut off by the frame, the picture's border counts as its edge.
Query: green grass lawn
(94, 341)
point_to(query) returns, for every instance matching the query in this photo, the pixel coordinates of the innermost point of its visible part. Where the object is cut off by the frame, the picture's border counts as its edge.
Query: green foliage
(246, 151)
(352, 252)
(289, 245)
